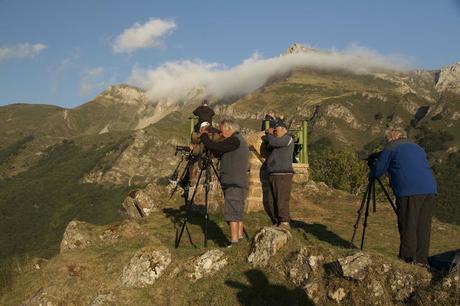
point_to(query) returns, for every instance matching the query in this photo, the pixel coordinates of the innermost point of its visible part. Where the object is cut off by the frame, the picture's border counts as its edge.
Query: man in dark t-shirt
(204, 114)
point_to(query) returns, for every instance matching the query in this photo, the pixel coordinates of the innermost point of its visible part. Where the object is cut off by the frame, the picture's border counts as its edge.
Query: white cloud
(147, 35)
(20, 51)
(92, 79)
(173, 81)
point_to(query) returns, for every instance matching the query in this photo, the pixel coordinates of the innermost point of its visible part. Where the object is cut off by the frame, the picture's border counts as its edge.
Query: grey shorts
(234, 203)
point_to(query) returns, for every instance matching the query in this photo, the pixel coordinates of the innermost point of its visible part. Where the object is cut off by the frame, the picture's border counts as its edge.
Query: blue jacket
(407, 165)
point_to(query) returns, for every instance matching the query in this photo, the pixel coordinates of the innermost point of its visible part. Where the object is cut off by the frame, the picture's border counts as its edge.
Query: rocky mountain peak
(296, 48)
(449, 78)
(123, 93)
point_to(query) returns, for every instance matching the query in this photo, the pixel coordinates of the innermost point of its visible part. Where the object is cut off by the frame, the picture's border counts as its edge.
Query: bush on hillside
(448, 177)
(433, 141)
(339, 169)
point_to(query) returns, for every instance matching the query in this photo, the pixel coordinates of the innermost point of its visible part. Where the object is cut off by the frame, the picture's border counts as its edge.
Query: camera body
(183, 150)
(371, 158)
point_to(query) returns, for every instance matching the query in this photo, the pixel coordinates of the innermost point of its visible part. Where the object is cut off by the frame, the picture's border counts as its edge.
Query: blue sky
(62, 52)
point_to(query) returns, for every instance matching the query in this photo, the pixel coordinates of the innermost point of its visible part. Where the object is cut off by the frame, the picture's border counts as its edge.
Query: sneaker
(285, 225)
(232, 243)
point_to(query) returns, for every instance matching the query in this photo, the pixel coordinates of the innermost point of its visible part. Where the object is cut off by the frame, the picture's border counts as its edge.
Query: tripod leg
(387, 195)
(184, 176)
(366, 215)
(360, 212)
(206, 191)
(245, 233)
(373, 197)
(215, 171)
(188, 205)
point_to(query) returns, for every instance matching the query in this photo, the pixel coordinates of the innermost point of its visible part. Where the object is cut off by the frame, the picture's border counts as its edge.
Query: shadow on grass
(196, 217)
(321, 232)
(259, 291)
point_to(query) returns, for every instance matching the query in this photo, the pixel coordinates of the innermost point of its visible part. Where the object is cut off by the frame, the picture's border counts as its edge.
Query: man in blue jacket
(414, 187)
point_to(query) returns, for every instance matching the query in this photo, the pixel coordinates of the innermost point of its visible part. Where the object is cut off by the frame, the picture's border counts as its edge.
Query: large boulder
(266, 243)
(354, 266)
(145, 267)
(207, 264)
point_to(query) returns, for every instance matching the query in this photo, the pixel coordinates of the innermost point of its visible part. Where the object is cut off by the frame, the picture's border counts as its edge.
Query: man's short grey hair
(229, 125)
(395, 133)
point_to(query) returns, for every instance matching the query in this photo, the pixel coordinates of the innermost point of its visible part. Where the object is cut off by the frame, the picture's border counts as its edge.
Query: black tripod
(206, 166)
(365, 203)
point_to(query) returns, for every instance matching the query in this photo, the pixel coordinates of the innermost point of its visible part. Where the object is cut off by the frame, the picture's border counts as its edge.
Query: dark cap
(280, 123)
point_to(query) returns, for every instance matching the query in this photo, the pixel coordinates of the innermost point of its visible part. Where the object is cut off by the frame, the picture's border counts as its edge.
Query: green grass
(7, 153)
(323, 224)
(36, 205)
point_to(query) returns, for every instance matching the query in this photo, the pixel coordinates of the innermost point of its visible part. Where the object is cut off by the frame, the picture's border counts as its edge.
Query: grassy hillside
(36, 205)
(323, 224)
(21, 120)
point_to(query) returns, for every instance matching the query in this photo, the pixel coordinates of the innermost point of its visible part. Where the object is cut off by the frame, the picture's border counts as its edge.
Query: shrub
(339, 169)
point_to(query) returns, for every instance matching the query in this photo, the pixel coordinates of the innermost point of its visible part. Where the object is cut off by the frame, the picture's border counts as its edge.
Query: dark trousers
(414, 224)
(279, 194)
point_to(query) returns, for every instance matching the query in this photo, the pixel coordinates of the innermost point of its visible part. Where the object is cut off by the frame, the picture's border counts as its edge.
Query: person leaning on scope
(196, 146)
(414, 187)
(233, 173)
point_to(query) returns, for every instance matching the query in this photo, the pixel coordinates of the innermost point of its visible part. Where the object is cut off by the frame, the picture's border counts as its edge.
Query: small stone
(337, 295)
(40, 298)
(207, 264)
(402, 286)
(311, 187)
(145, 267)
(386, 268)
(266, 243)
(102, 299)
(315, 261)
(354, 266)
(313, 292)
(376, 288)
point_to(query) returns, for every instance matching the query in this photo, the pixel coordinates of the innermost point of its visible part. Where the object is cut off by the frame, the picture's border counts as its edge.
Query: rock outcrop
(266, 243)
(449, 79)
(77, 235)
(207, 264)
(139, 204)
(125, 94)
(145, 267)
(354, 266)
(297, 48)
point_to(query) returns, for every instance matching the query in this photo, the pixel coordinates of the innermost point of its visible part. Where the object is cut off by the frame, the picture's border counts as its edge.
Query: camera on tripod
(371, 158)
(369, 195)
(183, 150)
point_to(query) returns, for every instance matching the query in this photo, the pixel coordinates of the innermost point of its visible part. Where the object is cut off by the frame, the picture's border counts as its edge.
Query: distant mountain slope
(119, 108)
